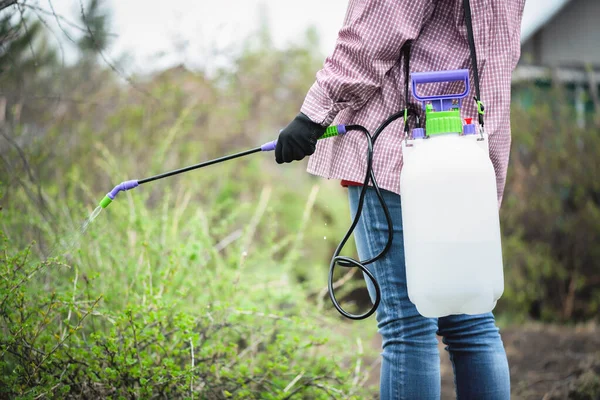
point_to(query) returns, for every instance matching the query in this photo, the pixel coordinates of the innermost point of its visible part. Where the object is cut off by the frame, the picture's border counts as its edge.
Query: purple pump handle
(440, 76)
(123, 186)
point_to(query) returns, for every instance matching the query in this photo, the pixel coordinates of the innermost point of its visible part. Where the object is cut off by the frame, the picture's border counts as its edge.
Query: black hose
(348, 262)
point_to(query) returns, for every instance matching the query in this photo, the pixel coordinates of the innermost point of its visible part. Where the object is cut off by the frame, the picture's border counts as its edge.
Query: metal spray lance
(269, 146)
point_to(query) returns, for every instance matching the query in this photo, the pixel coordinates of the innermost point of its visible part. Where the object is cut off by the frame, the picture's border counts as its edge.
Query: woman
(362, 82)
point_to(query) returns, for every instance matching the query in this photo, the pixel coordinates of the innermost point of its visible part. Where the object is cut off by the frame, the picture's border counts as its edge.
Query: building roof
(537, 13)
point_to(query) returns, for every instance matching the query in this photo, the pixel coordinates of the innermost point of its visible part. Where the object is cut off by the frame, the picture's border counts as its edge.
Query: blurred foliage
(551, 213)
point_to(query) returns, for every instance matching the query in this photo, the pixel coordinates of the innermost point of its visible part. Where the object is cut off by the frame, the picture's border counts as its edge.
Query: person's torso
(441, 45)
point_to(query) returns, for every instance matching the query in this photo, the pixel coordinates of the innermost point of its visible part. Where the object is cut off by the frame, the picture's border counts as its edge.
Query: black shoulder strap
(471, 37)
(406, 55)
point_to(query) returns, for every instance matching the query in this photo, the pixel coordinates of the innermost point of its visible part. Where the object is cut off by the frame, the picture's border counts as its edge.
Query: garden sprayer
(449, 206)
(451, 226)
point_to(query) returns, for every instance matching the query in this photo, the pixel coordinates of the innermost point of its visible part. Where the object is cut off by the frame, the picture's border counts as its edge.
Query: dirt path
(546, 363)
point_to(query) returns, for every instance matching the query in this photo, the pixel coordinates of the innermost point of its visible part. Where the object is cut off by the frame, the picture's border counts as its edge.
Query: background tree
(25, 58)
(96, 20)
(7, 3)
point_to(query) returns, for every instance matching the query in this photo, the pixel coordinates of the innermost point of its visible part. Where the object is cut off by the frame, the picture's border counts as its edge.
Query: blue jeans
(410, 366)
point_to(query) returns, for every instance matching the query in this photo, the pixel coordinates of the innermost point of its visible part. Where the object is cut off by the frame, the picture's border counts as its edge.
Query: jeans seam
(396, 385)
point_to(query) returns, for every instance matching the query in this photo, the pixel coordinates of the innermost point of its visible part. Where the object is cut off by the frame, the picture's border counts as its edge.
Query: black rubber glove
(298, 139)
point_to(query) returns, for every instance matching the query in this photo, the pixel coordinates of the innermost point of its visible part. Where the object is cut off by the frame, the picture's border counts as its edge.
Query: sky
(148, 28)
(537, 12)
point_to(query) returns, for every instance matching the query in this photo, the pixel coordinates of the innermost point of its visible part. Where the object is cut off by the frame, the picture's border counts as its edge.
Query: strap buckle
(480, 106)
(480, 114)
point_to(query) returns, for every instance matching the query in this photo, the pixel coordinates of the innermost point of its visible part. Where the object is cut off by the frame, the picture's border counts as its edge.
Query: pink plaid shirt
(362, 82)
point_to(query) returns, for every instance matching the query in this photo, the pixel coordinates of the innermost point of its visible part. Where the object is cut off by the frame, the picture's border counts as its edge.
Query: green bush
(145, 322)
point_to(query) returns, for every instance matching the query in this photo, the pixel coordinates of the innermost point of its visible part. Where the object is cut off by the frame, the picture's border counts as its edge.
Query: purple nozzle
(127, 185)
(269, 146)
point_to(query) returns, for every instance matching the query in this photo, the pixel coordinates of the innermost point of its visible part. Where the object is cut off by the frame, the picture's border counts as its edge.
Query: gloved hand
(298, 139)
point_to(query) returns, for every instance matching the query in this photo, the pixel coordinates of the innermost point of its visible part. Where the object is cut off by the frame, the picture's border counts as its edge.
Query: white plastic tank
(450, 218)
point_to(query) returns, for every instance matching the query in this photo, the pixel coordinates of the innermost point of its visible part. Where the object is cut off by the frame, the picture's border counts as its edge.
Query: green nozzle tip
(105, 202)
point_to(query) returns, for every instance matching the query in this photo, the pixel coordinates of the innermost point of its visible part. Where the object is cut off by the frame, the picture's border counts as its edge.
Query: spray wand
(342, 261)
(269, 146)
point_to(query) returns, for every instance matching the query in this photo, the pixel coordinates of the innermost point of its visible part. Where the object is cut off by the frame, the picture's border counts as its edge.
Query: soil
(546, 363)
